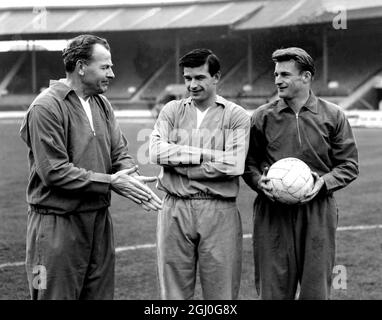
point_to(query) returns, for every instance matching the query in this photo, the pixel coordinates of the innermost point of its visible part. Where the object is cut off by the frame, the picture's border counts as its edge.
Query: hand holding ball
(290, 179)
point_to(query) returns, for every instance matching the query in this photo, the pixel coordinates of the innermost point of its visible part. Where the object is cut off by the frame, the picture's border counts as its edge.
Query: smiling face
(200, 84)
(289, 80)
(97, 72)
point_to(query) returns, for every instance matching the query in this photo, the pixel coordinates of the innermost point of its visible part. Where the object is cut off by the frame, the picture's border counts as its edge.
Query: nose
(277, 80)
(110, 74)
(193, 84)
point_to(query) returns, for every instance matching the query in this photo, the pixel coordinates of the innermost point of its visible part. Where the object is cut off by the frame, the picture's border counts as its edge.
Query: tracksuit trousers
(70, 256)
(294, 244)
(204, 231)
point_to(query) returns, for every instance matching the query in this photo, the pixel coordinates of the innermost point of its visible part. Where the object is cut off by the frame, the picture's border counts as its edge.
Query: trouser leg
(294, 244)
(59, 251)
(316, 249)
(220, 248)
(57, 254)
(274, 253)
(99, 280)
(176, 250)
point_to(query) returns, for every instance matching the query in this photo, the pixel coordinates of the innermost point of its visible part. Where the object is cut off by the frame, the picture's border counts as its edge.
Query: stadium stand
(226, 50)
(350, 65)
(148, 39)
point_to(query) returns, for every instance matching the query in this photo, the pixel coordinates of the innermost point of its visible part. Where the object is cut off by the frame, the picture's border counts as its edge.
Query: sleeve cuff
(330, 182)
(100, 182)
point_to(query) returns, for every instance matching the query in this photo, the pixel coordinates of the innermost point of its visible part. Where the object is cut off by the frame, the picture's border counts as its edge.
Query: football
(291, 179)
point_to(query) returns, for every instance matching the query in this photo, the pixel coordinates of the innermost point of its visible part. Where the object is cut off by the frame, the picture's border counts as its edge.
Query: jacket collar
(311, 104)
(60, 87)
(219, 100)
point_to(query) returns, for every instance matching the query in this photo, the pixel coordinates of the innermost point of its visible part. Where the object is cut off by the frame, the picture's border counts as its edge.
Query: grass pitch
(359, 204)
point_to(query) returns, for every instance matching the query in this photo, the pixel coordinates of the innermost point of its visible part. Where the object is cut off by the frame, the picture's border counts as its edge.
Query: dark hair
(303, 60)
(199, 57)
(81, 48)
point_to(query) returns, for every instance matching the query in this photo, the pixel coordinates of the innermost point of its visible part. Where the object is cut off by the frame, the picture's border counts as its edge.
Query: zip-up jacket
(178, 146)
(70, 164)
(319, 134)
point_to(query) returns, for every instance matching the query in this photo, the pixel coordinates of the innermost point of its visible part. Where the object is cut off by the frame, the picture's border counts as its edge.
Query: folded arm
(200, 163)
(222, 164)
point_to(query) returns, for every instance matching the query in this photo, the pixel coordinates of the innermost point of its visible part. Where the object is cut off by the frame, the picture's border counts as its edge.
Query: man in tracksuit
(295, 244)
(201, 143)
(77, 155)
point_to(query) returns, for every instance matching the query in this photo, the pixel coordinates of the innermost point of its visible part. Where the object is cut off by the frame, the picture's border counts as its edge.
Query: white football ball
(290, 179)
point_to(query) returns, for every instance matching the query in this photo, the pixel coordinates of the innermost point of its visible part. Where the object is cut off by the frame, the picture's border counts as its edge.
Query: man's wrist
(113, 178)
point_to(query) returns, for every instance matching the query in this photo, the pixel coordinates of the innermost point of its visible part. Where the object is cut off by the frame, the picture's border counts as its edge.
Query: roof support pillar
(34, 68)
(325, 56)
(177, 57)
(249, 59)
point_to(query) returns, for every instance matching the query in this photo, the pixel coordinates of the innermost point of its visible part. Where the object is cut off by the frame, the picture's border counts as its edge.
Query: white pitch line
(12, 264)
(376, 226)
(140, 246)
(153, 245)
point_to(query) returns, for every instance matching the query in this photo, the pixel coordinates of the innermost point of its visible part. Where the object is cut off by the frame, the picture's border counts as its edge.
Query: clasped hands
(266, 188)
(128, 183)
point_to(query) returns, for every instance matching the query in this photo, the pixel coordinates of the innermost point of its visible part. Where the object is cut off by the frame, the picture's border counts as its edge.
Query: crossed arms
(170, 147)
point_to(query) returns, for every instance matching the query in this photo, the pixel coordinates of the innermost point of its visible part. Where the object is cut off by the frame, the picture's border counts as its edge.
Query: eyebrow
(282, 72)
(197, 76)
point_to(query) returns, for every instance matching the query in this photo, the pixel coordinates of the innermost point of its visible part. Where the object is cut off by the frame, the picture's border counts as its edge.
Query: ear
(217, 77)
(307, 76)
(80, 67)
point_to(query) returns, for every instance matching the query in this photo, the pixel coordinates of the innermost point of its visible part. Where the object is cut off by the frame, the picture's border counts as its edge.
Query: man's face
(98, 71)
(289, 80)
(200, 83)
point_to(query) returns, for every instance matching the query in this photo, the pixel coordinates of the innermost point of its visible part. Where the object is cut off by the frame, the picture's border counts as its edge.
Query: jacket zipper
(90, 125)
(91, 128)
(298, 130)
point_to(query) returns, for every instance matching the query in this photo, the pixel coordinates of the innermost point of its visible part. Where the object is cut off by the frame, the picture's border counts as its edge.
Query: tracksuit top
(178, 147)
(69, 163)
(319, 134)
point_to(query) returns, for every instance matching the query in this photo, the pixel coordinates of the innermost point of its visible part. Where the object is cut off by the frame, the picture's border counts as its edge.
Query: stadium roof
(281, 13)
(124, 17)
(237, 15)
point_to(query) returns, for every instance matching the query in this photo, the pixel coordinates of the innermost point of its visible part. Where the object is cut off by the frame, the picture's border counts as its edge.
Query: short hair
(81, 48)
(303, 60)
(199, 57)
